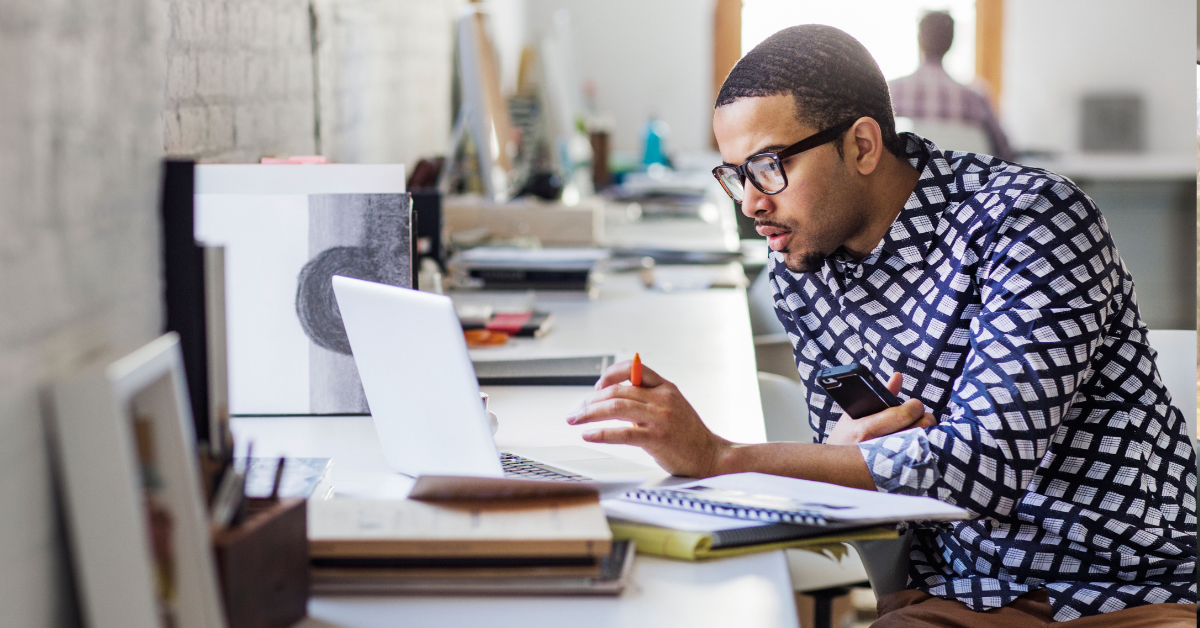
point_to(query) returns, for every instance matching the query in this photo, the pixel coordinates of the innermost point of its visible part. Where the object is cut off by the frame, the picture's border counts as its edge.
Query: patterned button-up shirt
(999, 295)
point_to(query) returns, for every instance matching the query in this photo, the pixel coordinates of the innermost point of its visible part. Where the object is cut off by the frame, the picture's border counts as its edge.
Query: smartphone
(856, 390)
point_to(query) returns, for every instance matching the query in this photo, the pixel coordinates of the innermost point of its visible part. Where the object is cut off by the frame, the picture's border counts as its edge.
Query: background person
(930, 93)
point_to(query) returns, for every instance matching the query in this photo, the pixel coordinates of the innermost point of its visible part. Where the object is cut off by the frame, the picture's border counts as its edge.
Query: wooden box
(263, 565)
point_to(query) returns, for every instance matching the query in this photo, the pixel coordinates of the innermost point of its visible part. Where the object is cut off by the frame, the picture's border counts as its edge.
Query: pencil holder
(263, 565)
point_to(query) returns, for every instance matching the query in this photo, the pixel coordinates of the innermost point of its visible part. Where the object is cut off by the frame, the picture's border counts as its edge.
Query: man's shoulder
(991, 191)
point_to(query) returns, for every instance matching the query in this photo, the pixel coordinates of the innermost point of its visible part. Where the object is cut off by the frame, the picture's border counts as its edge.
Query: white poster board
(280, 224)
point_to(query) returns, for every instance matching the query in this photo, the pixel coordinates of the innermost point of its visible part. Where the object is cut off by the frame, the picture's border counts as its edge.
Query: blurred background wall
(1056, 52)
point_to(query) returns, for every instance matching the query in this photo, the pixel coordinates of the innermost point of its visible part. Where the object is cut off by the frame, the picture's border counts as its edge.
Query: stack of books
(550, 546)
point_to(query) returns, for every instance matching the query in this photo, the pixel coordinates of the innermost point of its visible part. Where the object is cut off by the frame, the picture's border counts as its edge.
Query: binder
(689, 535)
(696, 546)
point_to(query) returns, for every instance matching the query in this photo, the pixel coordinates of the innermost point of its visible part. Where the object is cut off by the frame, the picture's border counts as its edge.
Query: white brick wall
(239, 81)
(95, 92)
(79, 151)
(385, 73)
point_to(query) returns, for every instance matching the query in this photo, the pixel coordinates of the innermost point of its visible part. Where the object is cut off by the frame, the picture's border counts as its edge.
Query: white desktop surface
(701, 341)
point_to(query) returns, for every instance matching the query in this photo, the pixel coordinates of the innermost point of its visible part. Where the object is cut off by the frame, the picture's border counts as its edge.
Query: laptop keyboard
(521, 467)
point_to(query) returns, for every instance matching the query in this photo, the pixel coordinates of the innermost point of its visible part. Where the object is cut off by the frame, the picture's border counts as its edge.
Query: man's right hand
(911, 413)
(660, 420)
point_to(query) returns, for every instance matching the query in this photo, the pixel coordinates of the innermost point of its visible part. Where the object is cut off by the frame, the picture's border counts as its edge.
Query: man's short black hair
(830, 75)
(935, 33)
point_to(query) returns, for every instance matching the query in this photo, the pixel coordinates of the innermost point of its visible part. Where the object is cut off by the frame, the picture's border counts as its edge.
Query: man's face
(818, 210)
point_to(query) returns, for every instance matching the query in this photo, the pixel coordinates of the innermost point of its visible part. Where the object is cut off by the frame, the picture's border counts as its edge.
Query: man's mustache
(777, 225)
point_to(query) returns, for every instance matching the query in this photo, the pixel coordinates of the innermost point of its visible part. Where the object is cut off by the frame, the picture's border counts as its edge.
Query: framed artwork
(125, 454)
(286, 230)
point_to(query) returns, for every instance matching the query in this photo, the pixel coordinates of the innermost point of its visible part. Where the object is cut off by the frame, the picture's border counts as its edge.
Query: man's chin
(803, 262)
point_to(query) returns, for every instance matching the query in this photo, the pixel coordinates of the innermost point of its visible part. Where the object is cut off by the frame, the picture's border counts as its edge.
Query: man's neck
(931, 61)
(886, 197)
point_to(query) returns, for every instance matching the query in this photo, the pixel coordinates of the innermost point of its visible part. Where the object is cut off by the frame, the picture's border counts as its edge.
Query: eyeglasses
(765, 170)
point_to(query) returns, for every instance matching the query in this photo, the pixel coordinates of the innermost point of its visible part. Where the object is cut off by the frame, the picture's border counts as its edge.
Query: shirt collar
(912, 233)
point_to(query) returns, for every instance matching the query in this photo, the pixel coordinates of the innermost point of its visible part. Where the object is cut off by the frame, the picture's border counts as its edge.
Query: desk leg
(823, 605)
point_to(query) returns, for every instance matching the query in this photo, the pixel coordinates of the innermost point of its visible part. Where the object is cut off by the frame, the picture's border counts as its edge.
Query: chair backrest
(763, 320)
(785, 409)
(1177, 366)
(950, 135)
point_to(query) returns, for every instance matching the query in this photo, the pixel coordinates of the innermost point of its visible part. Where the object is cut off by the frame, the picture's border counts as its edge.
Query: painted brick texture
(385, 78)
(95, 93)
(239, 82)
(79, 154)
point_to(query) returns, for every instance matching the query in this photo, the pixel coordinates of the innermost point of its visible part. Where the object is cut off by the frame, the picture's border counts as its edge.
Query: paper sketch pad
(454, 487)
(390, 530)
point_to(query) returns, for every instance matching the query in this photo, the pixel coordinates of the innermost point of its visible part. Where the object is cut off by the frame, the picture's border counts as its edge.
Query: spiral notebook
(774, 499)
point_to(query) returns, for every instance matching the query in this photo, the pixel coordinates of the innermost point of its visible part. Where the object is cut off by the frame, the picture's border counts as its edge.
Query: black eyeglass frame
(819, 138)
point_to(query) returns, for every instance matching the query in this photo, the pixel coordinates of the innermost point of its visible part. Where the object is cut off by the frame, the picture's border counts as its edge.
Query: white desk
(700, 340)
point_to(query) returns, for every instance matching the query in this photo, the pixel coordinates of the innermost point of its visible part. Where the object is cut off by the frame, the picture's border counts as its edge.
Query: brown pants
(918, 609)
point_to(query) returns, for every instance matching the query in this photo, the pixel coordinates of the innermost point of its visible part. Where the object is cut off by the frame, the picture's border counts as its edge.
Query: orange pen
(635, 371)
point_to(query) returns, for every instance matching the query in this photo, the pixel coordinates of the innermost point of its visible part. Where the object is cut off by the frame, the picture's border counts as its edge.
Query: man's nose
(754, 202)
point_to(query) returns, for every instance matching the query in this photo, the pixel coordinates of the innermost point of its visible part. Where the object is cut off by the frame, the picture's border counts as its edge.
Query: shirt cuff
(902, 462)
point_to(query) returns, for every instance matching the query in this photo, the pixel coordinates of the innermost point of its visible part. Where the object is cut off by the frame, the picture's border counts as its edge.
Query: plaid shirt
(1000, 297)
(931, 94)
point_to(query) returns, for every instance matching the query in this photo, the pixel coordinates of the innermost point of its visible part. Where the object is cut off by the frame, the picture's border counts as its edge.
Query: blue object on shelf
(655, 137)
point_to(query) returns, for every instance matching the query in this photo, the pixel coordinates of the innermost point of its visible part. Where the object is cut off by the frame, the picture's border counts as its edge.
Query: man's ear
(863, 144)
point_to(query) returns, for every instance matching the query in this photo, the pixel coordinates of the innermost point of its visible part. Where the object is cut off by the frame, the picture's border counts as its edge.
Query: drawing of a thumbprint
(316, 305)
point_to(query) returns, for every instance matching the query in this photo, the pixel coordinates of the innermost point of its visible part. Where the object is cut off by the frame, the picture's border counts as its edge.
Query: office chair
(785, 414)
(951, 135)
(1177, 366)
(772, 349)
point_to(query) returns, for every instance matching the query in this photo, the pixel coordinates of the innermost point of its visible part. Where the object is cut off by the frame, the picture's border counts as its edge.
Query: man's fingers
(892, 420)
(895, 382)
(616, 435)
(636, 393)
(927, 421)
(619, 408)
(592, 401)
(619, 372)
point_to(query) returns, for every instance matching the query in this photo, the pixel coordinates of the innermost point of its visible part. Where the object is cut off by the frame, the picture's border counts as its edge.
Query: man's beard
(805, 263)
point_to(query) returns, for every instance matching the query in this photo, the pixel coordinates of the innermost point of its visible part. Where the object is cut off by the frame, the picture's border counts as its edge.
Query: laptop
(424, 397)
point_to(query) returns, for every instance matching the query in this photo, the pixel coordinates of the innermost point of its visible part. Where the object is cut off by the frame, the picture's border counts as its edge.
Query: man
(930, 93)
(992, 298)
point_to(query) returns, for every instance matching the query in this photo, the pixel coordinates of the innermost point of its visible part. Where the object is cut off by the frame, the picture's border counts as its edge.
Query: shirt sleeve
(1049, 280)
